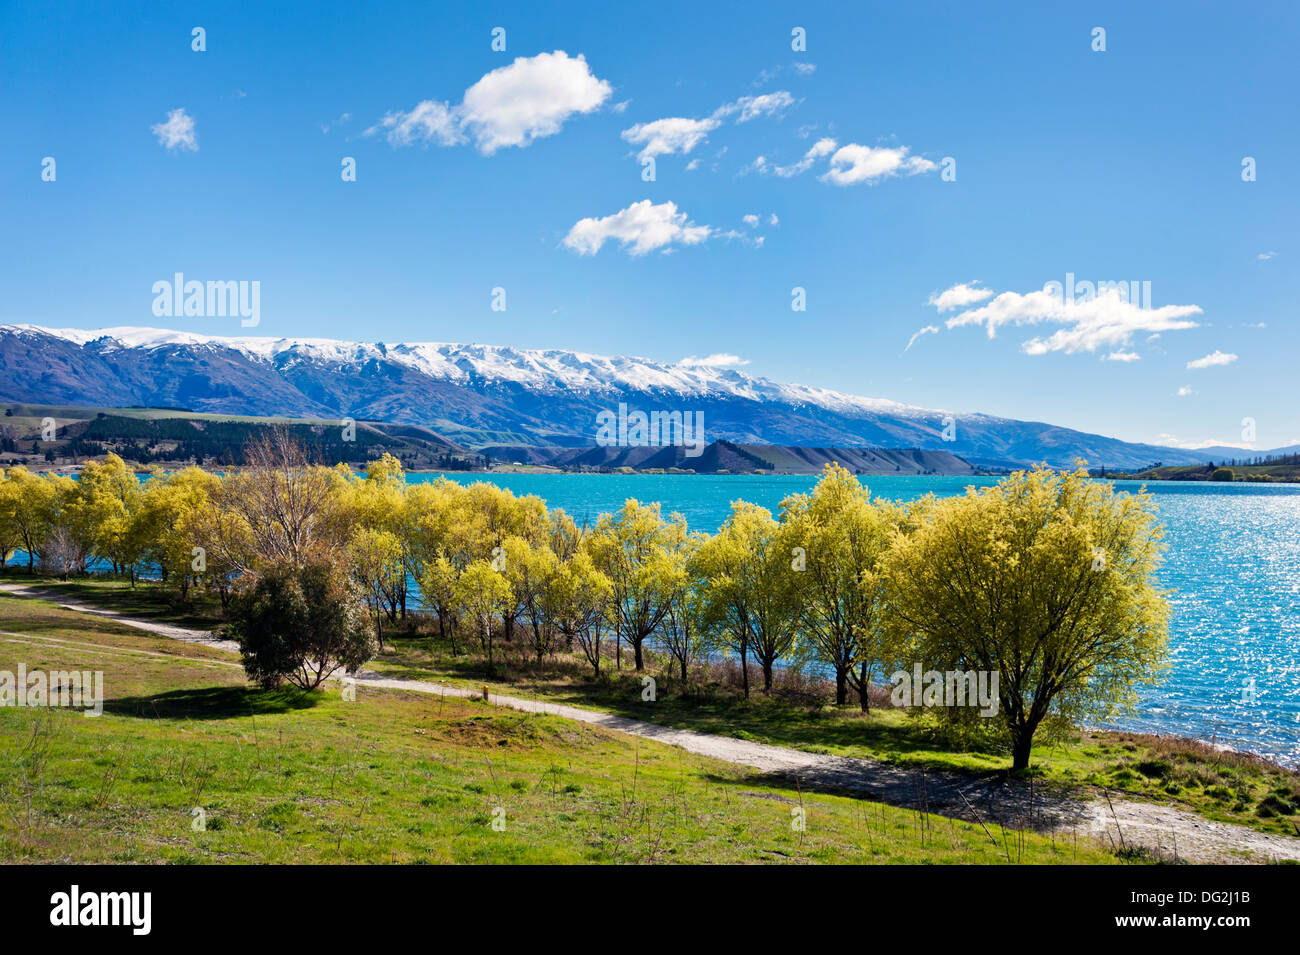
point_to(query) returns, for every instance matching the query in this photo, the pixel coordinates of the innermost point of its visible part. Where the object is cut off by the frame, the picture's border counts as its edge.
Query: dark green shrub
(300, 624)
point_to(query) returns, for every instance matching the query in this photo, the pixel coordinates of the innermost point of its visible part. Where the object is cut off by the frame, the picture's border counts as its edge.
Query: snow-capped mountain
(485, 394)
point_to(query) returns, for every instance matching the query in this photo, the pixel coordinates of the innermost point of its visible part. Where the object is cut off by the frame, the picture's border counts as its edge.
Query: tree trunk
(636, 653)
(1022, 741)
(841, 685)
(864, 690)
(767, 677)
(744, 670)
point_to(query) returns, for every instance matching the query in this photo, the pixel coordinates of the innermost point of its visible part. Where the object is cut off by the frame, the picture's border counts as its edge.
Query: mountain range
(495, 396)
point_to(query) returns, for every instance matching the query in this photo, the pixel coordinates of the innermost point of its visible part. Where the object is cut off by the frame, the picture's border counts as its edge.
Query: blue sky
(1122, 165)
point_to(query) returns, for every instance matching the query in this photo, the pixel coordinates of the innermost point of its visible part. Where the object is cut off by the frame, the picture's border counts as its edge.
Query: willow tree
(28, 506)
(749, 588)
(578, 596)
(835, 536)
(635, 550)
(480, 591)
(1045, 579)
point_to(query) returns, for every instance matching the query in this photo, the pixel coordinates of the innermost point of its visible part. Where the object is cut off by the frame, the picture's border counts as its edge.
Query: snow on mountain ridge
(535, 369)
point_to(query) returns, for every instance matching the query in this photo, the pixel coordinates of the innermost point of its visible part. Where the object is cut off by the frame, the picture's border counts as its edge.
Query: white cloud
(693, 164)
(642, 227)
(1174, 441)
(675, 134)
(805, 69)
(854, 163)
(681, 134)
(178, 132)
(1184, 391)
(1124, 356)
(1103, 321)
(773, 220)
(750, 220)
(822, 147)
(429, 121)
(1215, 357)
(959, 296)
(752, 107)
(720, 360)
(927, 330)
(510, 106)
(1265, 256)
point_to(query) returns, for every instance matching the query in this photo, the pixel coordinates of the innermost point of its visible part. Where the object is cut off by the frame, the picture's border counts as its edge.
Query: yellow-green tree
(438, 582)
(578, 597)
(30, 500)
(107, 497)
(685, 631)
(1047, 580)
(10, 537)
(168, 527)
(480, 591)
(749, 586)
(634, 550)
(833, 536)
(375, 558)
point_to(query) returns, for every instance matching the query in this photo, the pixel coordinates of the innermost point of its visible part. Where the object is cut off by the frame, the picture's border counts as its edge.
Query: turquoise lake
(1232, 564)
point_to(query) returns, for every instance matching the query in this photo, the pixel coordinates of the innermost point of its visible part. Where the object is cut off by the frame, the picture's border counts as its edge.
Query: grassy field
(1218, 784)
(1261, 473)
(393, 777)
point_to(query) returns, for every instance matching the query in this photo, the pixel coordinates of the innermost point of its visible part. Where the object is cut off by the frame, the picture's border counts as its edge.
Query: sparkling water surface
(1232, 565)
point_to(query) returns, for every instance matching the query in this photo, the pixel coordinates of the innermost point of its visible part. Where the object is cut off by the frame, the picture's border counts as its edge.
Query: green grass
(145, 600)
(1219, 785)
(1264, 473)
(394, 777)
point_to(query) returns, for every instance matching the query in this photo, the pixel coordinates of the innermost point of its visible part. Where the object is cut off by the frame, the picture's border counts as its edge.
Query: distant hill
(483, 396)
(1276, 472)
(169, 436)
(725, 456)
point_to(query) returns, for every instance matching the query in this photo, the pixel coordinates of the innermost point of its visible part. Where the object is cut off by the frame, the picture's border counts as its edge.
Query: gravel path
(1118, 821)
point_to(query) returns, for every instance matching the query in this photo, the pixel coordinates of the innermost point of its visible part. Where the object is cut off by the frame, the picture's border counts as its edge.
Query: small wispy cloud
(1184, 391)
(1215, 358)
(719, 360)
(681, 134)
(177, 132)
(851, 163)
(1265, 256)
(927, 330)
(959, 296)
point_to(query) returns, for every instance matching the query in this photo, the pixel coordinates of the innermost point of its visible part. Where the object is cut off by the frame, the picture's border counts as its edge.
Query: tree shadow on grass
(214, 703)
(984, 799)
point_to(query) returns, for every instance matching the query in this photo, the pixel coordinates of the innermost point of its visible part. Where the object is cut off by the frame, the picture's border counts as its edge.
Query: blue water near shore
(1232, 564)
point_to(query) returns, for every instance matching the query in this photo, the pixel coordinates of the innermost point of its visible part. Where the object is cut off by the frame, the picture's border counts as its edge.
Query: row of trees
(1045, 579)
